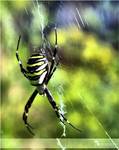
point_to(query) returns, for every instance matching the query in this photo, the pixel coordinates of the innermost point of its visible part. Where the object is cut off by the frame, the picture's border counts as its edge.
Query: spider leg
(51, 73)
(54, 52)
(54, 63)
(26, 110)
(57, 110)
(19, 61)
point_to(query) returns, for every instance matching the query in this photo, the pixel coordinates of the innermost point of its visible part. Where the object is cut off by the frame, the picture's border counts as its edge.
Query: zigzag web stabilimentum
(63, 111)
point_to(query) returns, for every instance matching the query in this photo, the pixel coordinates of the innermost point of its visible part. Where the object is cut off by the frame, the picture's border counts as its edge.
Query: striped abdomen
(37, 69)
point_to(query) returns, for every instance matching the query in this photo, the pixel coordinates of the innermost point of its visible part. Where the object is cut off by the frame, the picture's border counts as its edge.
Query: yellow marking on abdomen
(36, 73)
(36, 64)
(39, 56)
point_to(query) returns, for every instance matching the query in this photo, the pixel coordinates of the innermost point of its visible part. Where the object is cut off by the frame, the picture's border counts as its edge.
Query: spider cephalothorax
(38, 71)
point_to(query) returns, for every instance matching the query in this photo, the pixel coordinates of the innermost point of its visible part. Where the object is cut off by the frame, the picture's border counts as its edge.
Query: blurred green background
(86, 81)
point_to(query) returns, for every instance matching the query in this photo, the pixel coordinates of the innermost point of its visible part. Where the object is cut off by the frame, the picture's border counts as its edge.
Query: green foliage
(88, 74)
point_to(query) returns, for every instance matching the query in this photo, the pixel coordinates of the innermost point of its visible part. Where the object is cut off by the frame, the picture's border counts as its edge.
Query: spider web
(83, 22)
(62, 108)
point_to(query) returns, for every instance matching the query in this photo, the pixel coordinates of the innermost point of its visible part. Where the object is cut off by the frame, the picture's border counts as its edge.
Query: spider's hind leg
(26, 110)
(58, 112)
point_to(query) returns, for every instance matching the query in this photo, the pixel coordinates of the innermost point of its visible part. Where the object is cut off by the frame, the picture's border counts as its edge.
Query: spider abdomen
(37, 69)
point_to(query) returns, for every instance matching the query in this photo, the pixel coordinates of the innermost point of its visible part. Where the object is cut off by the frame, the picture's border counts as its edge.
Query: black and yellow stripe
(36, 58)
(35, 76)
(37, 68)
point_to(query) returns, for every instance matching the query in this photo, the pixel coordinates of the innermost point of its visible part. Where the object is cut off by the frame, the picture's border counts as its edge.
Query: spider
(39, 71)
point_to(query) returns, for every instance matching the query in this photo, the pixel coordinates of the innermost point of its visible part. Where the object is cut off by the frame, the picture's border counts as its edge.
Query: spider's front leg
(55, 59)
(18, 59)
(26, 110)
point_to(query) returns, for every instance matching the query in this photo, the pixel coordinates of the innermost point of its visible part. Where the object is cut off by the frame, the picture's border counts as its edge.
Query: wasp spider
(39, 71)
